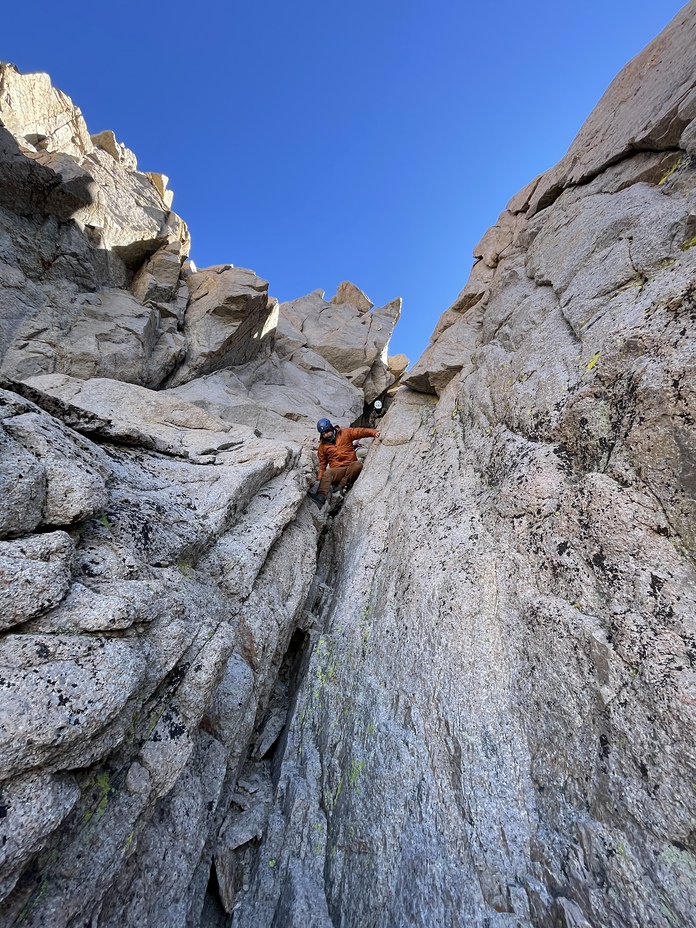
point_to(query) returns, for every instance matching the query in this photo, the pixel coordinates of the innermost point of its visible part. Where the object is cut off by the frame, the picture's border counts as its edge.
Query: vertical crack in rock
(497, 723)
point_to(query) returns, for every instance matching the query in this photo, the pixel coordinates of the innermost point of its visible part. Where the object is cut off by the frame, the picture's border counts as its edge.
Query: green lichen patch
(103, 786)
(356, 768)
(666, 176)
(680, 859)
(593, 361)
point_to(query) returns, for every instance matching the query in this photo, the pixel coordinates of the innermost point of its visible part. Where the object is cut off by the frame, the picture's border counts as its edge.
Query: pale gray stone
(73, 188)
(447, 356)
(346, 332)
(75, 472)
(128, 211)
(34, 576)
(104, 334)
(158, 279)
(22, 487)
(277, 396)
(500, 239)
(228, 321)
(99, 185)
(151, 888)
(159, 182)
(80, 683)
(397, 364)
(441, 356)
(118, 151)
(33, 806)
(349, 293)
(139, 416)
(92, 611)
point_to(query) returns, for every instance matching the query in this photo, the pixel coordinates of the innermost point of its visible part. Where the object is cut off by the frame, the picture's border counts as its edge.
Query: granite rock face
(498, 720)
(156, 545)
(347, 332)
(466, 696)
(77, 220)
(227, 319)
(179, 562)
(302, 361)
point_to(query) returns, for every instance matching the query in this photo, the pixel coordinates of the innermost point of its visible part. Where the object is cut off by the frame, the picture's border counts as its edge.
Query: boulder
(349, 293)
(50, 182)
(35, 575)
(347, 332)
(107, 141)
(83, 682)
(442, 358)
(158, 279)
(75, 471)
(73, 187)
(397, 364)
(107, 333)
(228, 321)
(447, 357)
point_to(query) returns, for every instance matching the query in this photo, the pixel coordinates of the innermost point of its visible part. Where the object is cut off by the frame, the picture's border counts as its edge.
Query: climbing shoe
(317, 498)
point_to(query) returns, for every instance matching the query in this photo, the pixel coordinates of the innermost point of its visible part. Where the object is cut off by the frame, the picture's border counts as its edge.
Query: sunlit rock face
(498, 720)
(467, 696)
(348, 332)
(156, 544)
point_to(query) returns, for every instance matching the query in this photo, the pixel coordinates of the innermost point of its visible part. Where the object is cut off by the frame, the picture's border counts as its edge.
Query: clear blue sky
(321, 141)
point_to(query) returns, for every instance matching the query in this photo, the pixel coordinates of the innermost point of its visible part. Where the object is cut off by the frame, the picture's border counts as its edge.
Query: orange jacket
(341, 452)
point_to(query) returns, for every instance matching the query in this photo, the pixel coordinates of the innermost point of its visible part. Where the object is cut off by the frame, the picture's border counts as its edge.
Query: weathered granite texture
(76, 221)
(465, 698)
(347, 332)
(120, 630)
(498, 722)
(156, 545)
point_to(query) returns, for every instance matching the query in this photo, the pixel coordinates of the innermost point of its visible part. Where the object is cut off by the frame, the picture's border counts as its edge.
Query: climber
(338, 462)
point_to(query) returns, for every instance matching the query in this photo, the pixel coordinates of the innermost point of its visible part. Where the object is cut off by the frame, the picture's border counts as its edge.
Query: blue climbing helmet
(324, 425)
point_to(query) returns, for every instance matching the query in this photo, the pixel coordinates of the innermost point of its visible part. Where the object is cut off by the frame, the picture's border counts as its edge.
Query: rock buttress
(497, 726)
